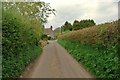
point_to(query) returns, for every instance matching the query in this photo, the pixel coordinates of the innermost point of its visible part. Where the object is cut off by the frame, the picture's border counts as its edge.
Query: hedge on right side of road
(98, 62)
(96, 48)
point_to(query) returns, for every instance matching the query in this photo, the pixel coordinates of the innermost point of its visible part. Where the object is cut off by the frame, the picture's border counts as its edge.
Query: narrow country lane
(56, 62)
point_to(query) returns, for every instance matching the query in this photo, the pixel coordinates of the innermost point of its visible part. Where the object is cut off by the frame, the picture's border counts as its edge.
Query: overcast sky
(100, 11)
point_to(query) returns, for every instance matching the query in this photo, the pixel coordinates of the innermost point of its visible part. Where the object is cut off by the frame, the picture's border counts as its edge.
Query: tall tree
(76, 24)
(35, 10)
(67, 26)
(86, 23)
(82, 24)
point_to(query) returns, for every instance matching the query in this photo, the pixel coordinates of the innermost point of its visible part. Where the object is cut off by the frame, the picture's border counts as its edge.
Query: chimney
(51, 27)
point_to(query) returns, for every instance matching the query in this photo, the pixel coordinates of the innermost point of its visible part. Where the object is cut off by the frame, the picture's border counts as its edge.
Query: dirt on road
(56, 62)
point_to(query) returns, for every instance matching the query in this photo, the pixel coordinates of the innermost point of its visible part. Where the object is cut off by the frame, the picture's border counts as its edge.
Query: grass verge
(100, 61)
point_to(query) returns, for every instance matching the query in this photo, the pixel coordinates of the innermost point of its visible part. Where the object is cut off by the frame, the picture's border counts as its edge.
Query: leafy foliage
(86, 23)
(101, 62)
(82, 24)
(35, 10)
(19, 43)
(67, 26)
(96, 48)
(77, 25)
(102, 34)
(44, 36)
(22, 27)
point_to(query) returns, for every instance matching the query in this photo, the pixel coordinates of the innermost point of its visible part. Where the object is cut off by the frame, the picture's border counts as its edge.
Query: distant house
(49, 32)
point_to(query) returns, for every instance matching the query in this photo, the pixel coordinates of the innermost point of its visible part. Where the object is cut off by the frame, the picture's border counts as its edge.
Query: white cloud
(69, 10)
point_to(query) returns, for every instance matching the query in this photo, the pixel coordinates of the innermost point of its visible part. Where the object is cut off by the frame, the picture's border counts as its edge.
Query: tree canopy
(35, 10)
(67, 26)
(77, 25)
(83, 24)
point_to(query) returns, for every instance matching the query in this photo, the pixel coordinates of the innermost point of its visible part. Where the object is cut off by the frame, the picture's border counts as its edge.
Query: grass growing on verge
(101, 62)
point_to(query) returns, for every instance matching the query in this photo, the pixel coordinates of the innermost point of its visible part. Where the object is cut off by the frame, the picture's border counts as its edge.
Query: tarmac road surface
(56, 62)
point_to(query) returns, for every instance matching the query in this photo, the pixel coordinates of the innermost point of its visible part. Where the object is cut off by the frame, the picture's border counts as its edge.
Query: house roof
(48, 31)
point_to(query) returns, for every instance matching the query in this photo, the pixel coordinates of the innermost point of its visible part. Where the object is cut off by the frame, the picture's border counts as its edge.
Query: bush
(103, 63)
(19, 42)
(102, 34)
(96, 48)
(44, 36)
(49, 38)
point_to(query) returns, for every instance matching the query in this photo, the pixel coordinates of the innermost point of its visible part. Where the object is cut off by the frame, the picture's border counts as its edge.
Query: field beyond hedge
(96, 48)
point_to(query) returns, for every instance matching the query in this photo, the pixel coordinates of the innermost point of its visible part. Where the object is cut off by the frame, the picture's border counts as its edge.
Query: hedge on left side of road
(19, 43)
